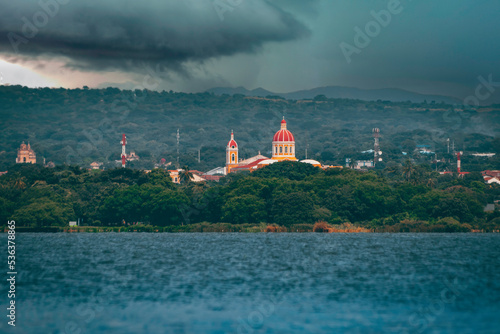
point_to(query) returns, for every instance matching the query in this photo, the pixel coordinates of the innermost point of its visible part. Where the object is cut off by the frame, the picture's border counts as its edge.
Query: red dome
(283, 135)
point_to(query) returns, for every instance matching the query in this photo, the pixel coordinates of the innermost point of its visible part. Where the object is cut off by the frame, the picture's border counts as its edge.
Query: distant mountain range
(385, 94)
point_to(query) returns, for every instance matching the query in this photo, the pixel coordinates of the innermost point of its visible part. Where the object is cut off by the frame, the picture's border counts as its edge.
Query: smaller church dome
(267, 162)
(312, 162)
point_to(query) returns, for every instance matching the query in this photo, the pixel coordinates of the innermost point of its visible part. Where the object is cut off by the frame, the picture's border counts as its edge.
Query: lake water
(256, 283)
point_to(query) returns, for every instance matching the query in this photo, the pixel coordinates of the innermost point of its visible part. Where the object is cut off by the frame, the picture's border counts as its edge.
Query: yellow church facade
(25, 154)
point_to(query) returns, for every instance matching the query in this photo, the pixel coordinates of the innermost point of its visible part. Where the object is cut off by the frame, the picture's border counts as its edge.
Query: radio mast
(124, 155)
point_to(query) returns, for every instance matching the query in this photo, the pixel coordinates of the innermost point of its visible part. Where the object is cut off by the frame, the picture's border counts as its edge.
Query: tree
(422, 205)
(160, 177)
(431, 183)
(6, 209)
(185, 175)
(168, 207)
(320, 97)
(292, 170)
(408, 170)
(20, 184)
(408, 145)
(43, 212)
(352, 163)
(452, 207)
(393, 171)
(245, 209)
(125, 204)
(293, 208)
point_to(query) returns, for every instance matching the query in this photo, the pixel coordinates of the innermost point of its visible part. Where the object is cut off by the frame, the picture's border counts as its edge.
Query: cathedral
(284, 144)
(283, 148)
(25, 154)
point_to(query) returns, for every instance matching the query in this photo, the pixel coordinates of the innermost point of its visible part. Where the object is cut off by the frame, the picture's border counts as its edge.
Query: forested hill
(79, 126)
(391, 94)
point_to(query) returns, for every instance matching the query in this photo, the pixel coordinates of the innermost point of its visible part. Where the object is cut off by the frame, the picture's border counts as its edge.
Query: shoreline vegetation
(205, 227)
(282, 197)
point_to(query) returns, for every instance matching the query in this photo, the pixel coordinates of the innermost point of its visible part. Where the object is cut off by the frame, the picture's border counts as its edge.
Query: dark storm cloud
(122, 34)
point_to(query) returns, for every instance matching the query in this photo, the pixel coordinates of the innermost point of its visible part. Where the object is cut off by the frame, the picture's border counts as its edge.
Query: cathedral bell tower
(231, 154)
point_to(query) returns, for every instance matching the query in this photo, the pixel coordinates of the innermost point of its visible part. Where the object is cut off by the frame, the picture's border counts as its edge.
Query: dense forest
(291, 195)
(79, 126)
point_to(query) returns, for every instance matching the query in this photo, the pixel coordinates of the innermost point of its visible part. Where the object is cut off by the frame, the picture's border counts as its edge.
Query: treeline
(406, 196)
(79, 126)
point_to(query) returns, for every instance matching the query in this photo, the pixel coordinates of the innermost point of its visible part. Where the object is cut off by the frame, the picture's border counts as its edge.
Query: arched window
(24, 159)
(286, 149)
(281, 149)
(232, 157)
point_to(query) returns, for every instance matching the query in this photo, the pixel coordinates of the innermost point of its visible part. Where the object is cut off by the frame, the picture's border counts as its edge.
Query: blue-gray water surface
(255, 283)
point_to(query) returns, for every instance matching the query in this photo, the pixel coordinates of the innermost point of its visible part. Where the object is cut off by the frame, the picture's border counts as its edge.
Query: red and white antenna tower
(124, 156)
(458, 162)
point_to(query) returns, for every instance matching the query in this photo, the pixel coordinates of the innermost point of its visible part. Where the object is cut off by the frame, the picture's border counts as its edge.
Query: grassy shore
(320, 227)
(200, 227)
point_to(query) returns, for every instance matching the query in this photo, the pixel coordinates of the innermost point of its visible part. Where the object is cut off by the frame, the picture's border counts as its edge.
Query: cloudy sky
(428, 46)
